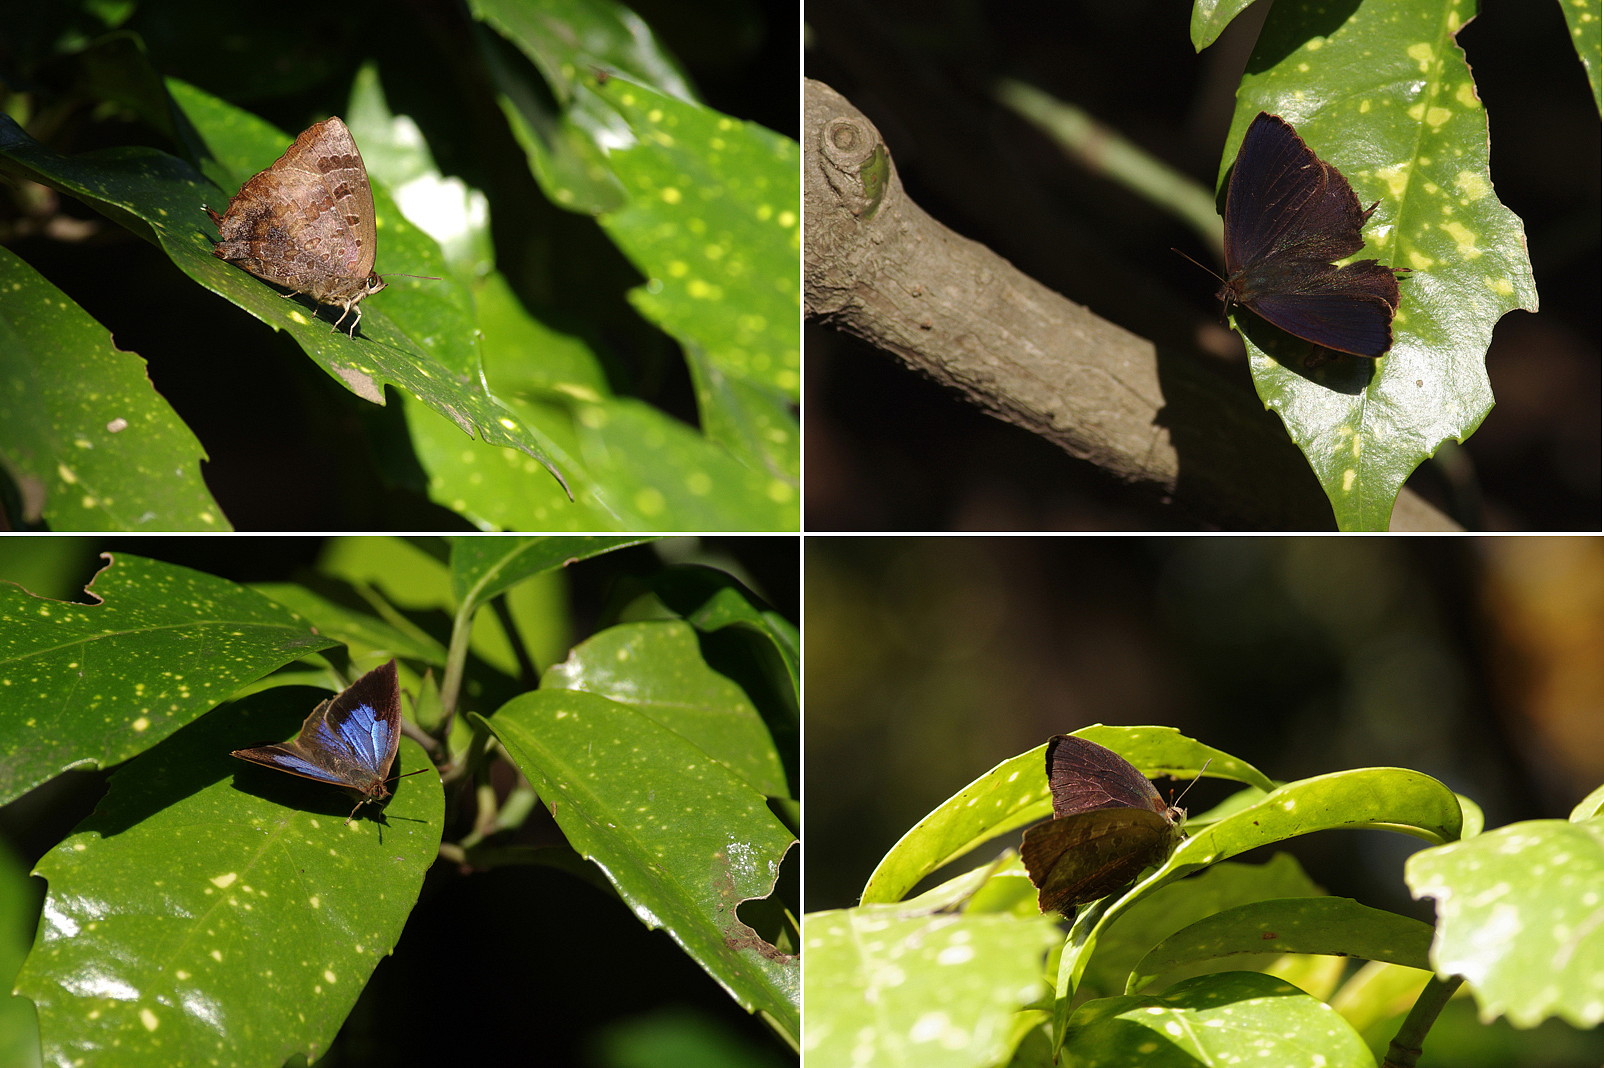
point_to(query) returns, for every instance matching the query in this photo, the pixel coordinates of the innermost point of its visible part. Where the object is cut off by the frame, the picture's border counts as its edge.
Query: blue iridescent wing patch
(349, 740)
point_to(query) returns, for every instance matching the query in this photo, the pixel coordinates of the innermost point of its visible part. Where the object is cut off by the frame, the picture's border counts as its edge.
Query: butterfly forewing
(360, 723)
(1084, 775)
(1271, 170)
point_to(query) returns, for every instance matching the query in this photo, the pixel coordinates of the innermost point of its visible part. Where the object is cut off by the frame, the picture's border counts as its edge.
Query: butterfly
(348, 740)
(1108, 824)
(307, 222)
(1288, 214)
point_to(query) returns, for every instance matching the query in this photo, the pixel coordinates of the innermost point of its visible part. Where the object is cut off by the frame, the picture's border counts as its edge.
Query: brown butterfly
(307, 222)
(1108, 824)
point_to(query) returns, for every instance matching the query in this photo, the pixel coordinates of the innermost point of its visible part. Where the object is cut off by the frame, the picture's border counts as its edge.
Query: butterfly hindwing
(1076, 859)
(1341, 323)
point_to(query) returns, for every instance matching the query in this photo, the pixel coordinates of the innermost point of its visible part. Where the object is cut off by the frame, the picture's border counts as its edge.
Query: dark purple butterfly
(348, 740)
(1288, 214)
(1108, 824)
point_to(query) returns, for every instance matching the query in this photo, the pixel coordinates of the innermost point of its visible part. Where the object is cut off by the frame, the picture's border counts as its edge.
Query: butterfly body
(1288, 215)
(1108, 824)
(307, 222)
(349, 740)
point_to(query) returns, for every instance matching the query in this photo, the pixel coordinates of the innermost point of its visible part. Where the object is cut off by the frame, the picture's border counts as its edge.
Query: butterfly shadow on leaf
(309, 795)
(1336, 371)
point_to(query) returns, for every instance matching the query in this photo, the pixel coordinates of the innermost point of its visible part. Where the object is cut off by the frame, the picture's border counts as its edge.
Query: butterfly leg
(347, 310)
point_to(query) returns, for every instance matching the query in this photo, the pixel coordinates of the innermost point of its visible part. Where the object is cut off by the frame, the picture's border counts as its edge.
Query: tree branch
(876, 266)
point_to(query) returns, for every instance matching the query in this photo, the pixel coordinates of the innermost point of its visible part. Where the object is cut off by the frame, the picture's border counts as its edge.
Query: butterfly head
(373, 793)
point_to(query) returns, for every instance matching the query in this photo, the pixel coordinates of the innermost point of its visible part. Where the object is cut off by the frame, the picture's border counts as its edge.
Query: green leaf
(1376, 995)
(526, 356)
(1395, 799)
(1591, 805)
(353, 626)
(657, 669)
(594, 34)
(712, 600)
(19, 915)
(703, 204)
(706, 206)
(1518, 917)
(1390, 798)
(712, 223)
(83, 434)
(251, 947)
(1123, 944)
(1323, 925)
(572, 44)
(403, 570)
(1582, 20)
(750, 419)
(97, 684)
(1211, 17)
(942, 991)
(639, 469)
(1215, 1019)
(484, 568)
(1383, 94)
(395, 574)
(712, 216)
(683, 837)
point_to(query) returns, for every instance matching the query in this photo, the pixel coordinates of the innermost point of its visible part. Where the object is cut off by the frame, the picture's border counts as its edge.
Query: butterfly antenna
(1184, 256)
(1226, 306)
(1176, 800)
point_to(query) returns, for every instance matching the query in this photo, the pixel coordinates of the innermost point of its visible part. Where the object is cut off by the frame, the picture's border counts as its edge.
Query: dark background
(931, 660)
(520, 964)
(889, 450)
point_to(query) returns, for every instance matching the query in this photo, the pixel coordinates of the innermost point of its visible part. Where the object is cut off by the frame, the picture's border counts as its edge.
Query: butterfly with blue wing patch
(349, 740)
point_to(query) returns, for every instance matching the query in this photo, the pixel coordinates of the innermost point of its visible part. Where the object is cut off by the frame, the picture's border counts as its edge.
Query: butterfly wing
(1079, 858)
(327, 154)
(307, 221)
(1353, 316)
(360, 727)
(1288, 214)
(349, 740)
(1084, 775)
(1285, 202)
(285, 758)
